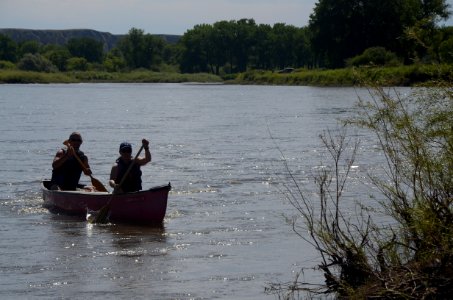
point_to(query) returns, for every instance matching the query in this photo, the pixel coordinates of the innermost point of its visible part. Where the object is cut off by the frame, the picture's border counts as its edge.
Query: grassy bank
(388, 76)
(16, 76)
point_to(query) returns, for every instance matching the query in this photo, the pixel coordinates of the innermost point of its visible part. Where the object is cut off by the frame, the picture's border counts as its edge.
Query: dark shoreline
(413, 75)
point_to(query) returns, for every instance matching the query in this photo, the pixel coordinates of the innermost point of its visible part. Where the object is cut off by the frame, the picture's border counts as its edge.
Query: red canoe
(143, 207)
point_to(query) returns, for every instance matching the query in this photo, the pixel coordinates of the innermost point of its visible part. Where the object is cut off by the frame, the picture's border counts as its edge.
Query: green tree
(196, 54)
(88, 48)
(171, 53)
(222, 41)
(59, 56)
(141, 50)
(345, 28)
(262, 51)
(29, 46)
(8, 49)
(303, 53)
(243, 41)
(284, 41)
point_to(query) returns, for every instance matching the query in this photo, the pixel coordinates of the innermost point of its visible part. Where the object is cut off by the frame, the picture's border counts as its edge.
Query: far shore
(412, 75)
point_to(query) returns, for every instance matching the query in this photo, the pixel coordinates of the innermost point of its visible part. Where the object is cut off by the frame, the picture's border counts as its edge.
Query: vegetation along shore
(413, 75)
(400, 43)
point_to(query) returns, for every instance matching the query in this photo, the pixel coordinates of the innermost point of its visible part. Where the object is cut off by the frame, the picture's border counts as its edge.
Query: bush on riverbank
(410, 255)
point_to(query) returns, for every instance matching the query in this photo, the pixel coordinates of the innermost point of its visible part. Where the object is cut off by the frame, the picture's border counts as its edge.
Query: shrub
(375, 56)
(410, 256)
(6, 65)
(77, 64)
(58, 57)
(36, 62)
(114, 63)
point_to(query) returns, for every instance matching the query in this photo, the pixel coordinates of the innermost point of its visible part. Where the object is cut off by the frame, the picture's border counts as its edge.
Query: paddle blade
(98, 185)
(100, 216)
(103, 215)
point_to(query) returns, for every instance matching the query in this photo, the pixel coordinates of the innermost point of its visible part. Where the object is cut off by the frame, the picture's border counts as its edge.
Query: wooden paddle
(101, 215)
(95, 182)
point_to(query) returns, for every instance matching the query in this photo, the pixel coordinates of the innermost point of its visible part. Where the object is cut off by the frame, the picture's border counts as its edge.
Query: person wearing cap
(66, 169)
(133, 181)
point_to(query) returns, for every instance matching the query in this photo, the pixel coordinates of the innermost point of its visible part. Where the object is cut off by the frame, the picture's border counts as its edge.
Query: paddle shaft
(67, 143)
(103, 212)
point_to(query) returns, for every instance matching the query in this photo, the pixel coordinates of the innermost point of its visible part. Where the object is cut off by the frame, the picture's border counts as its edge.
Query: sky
(152, 16)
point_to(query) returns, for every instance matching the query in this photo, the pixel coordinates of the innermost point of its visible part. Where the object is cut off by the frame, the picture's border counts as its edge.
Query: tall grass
(16, 76)
(144, 76)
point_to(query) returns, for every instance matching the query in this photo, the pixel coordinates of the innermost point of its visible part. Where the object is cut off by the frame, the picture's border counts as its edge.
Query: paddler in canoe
(126, 176)
(68, 165)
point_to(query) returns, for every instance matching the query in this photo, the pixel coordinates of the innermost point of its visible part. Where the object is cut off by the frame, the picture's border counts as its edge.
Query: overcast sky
(153, 16)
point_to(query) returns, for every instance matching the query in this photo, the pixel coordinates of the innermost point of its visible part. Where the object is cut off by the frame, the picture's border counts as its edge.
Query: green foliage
(235, 46)
(88, 48)
(92, 76)
(18, 76)
(141, 50)
(6, 65)
(114, 63)
(389, 76)
(410, 255)
(196, 50)
(77, 64)
(8, 49)
(30, 46)
(59, 56)
(342, 28)
(36, 62)
(446, 51)
(149, 76)
(375, 56)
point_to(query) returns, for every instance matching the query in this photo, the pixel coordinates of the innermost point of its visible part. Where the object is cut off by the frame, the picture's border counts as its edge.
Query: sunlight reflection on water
(225, 233)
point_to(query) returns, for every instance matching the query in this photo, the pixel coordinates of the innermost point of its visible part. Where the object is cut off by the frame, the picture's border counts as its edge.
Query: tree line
(340, 33)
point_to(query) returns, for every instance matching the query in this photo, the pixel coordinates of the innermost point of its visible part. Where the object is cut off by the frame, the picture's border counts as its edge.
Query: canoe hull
(143, 207)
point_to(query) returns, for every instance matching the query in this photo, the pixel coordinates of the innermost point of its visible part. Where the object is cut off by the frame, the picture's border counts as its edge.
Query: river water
(225, 235)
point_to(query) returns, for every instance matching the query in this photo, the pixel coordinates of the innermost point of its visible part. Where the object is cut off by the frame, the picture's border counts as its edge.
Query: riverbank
(17, 76)
(386, 76)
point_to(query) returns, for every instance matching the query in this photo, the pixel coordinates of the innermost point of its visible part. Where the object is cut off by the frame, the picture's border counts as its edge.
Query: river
(225, 235)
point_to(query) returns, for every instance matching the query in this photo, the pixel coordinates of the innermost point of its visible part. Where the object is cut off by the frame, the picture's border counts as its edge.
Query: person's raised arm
(144, 160)
(62, 156)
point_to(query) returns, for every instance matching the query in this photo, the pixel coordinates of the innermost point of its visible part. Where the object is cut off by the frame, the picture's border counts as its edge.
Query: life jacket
(67, 176)
(133, 181)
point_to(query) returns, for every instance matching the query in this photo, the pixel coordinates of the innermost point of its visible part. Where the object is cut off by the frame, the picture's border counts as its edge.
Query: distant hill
(61, 37)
